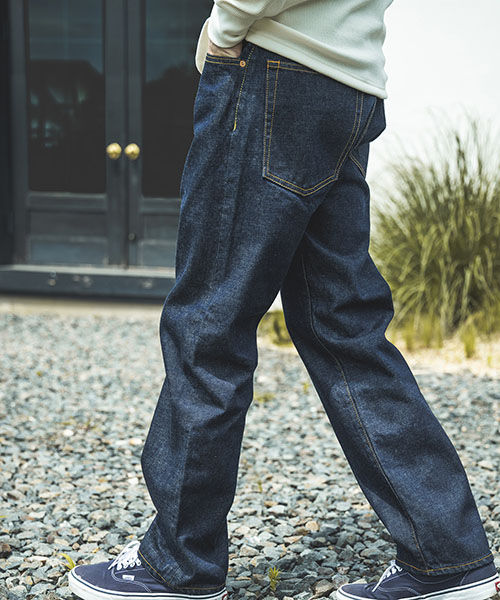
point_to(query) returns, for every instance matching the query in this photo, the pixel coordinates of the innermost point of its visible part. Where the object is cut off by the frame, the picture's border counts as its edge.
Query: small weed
(273, 326)
(468, 337)
(427, 331)
(274, 575)
(488, 318)
(409, 335)
(70, 563)
(439, 334)
(305, 386)
(89, 424)
(264, 397)
(259, 485)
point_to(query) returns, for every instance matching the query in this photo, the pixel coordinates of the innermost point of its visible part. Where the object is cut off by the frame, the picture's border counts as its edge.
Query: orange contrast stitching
(365, 129)
(223, 62)
(272, 116)
(356, 412)
(352, 137)
(241, 87)
(265, 119)
(356, 162)
(267, 151)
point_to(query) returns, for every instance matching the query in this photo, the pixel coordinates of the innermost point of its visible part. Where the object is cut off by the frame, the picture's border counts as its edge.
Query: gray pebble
(74, 413)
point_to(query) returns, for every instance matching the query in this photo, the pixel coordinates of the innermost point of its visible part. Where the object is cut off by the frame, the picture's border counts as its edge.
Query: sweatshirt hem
(271, 42)
(269, 35)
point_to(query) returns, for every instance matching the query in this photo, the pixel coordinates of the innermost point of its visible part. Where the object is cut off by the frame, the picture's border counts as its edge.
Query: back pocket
(311, 124)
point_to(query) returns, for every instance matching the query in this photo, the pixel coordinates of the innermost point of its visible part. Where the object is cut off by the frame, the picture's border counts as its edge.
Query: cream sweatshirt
(340, 38)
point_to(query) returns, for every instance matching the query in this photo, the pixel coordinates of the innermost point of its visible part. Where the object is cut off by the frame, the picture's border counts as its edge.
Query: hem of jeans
(156, 574)
(448, 569)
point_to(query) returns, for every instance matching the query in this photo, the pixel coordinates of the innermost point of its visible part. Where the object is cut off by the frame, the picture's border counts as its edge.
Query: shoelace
(128, 557)
(392, 569)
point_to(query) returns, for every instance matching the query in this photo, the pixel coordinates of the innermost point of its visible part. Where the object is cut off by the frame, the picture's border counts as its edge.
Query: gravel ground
(76, 398)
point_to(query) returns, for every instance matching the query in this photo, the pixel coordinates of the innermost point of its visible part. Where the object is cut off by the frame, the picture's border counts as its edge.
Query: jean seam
(272, 115)
(354, 135)
(360, 140)
(241, 86)
(356, 412)
(223, 62)
(291, 66)
(367, 125)
(176, 587)
(449, 567)
(357, 163)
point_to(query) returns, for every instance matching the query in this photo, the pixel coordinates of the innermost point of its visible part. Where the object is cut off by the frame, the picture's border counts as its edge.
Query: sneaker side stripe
(461, 588)
(343, 594)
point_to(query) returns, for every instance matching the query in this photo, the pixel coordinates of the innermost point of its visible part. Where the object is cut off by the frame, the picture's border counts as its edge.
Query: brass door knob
(132, 151)
(113, 151)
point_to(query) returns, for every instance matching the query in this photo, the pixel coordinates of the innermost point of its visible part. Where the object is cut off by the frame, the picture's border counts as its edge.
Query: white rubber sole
(89, 592)
(474, 591)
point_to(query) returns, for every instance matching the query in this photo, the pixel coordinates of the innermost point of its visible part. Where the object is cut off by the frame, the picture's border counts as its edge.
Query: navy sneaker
(398, 584)
(125, 578)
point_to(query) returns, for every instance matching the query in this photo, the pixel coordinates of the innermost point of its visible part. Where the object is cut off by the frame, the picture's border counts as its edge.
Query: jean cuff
(446, 570)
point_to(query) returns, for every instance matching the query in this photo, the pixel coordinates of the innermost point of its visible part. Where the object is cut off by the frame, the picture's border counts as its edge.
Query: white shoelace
(392, 569)
(128, 557)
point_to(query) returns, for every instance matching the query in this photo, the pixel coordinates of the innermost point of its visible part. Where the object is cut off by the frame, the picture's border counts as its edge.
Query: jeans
(274, 197)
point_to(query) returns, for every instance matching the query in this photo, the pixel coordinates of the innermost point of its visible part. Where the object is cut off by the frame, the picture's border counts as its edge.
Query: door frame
(6, 208)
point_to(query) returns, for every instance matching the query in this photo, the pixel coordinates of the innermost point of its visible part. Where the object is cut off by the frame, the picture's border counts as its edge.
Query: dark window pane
(66, 95)
(169, 88)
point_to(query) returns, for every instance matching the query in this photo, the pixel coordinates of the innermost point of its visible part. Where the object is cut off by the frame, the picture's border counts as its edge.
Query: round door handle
(132, 151)
(113, 151)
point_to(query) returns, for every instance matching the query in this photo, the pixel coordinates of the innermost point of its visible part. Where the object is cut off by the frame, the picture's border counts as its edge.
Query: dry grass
(449, 358)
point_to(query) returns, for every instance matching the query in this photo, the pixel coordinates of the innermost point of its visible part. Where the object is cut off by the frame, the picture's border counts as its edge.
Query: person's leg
(337, 307)
(270, 136)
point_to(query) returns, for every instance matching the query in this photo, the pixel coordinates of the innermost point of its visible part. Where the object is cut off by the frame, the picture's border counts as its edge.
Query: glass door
(102, 108)
(162, 86)
(68, 103)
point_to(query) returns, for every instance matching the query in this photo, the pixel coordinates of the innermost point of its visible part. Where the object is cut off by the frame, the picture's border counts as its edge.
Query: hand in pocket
(233, 52)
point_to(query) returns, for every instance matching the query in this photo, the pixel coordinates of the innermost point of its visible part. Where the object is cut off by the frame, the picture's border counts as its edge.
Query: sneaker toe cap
(356, 590)
(92, 574)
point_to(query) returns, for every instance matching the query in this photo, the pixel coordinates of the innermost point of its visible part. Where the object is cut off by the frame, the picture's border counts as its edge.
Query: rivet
(243, 63)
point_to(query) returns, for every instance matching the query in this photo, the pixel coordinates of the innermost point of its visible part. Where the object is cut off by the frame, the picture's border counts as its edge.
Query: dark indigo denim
(274, 196)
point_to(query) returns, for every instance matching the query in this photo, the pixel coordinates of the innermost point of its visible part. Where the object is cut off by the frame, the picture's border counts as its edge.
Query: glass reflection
(169, 89)
(66, 95)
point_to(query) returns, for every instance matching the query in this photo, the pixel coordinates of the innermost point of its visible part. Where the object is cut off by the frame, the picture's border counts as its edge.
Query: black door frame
(6, 208)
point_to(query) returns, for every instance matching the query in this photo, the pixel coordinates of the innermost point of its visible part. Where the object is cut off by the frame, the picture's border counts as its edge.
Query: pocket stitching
(223, 60)
(294, 66)
(356, 162)
(267, 148)
(352, 138)
(352, 156)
